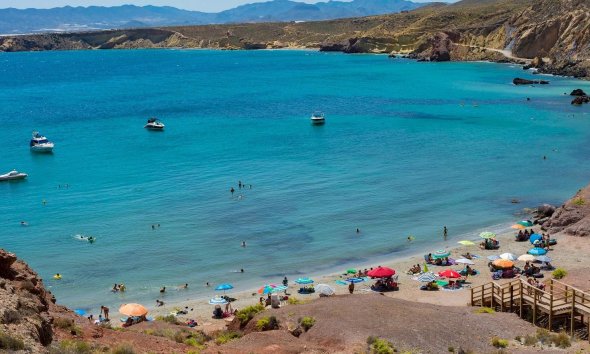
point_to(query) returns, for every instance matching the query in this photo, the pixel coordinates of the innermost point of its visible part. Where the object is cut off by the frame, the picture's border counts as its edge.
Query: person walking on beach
(445, 231)
(285, 281)
(105, 310)
(351, 287)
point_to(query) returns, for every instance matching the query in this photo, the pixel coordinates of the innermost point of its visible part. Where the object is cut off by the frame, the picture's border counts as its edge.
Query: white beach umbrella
(508, 256)
(324, 289)
(493, 258)
(464, 261)
(526, 258)
(543, 259)
(426, 277)
(217, 301)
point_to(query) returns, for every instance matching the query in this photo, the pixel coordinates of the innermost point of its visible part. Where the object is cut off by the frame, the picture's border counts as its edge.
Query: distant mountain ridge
(65, 19)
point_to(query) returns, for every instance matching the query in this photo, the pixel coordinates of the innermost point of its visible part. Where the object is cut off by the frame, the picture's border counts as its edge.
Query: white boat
(154, 124)
(39, 143)
(13, 175)
(318, 118)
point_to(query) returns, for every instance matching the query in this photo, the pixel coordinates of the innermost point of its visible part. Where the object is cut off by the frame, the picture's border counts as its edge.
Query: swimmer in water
(242, 270)
(243, 243)
(24, 223)
(410, 238)
(358, 231)
(232, 190)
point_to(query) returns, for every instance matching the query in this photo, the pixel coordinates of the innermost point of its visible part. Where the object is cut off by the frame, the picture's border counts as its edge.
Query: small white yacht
(317, 118)
(13, 175)
(154, 124)
(39, 143)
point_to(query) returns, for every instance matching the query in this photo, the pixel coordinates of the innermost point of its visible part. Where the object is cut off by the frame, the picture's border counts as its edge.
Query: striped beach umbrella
(426, 277)
(217, 301)
(271, 288)
(526, 223)
(441, 254)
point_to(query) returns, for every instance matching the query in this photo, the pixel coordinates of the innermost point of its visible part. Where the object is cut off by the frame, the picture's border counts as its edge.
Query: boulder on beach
(573, 217)
(520, 81)
(578, 92)
(545, 210)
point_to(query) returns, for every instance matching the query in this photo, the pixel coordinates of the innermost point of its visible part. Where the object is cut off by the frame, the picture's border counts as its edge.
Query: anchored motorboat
(317, 118)
(154, 124)
(13, 175)
(39, 143)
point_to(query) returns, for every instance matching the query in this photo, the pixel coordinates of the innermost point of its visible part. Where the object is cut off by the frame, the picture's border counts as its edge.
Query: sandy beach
(566, 254)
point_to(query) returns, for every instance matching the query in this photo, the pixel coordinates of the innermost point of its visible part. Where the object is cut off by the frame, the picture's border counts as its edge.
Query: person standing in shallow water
(232, 190)
(445, 233)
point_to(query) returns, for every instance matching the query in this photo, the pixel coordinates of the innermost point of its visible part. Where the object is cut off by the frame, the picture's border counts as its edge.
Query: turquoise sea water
(407, 148)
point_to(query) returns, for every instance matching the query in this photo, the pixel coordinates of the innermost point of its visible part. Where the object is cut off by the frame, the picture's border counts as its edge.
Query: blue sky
(199, 5)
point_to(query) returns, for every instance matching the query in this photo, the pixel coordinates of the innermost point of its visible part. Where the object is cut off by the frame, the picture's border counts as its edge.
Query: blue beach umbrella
(441, 254)
(537, 251)
(224, 287)
(355, 280)
(535, 237)
(80, 312)
(304, 281)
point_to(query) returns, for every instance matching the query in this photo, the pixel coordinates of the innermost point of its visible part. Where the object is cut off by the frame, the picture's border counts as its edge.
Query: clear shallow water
(408, 147)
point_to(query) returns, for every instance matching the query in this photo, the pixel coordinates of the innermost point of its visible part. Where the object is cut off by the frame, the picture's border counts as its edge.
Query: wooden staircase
(558, 305)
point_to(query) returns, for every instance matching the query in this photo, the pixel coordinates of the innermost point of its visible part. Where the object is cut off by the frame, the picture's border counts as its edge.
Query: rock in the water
(545, 210)
(519, 81)
(578, 92)
(580, 100)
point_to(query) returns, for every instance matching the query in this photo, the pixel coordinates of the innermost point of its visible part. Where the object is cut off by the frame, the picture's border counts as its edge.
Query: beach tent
(535, 237)
(324, 289)
(381, 272)
(134, 310)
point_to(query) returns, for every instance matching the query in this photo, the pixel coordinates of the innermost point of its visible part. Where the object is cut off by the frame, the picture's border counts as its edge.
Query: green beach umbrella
(487, 234)
(351, 271)
(526, 223)
(441, 254)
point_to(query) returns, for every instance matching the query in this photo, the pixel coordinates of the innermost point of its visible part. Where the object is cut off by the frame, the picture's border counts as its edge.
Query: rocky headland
(552, 36)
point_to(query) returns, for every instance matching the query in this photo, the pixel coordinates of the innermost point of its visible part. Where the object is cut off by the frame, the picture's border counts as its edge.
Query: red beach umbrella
(449, 273)
(381, 272)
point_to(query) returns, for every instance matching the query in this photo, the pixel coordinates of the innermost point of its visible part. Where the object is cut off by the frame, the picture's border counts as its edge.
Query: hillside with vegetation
(552, 34)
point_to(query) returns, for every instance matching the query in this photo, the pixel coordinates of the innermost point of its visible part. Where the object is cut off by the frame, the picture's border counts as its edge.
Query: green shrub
(248, 313)
(451, 349)
(307, 322)
(579, 201)
(68, 325)
(226, 336)
(295, 301)
(380, 346)
(123, 349)
(71, 347)
(543, 336)
(559, 273)
(10, 343)
(561, 340)
(169, 318)
(530, 340)
(499, 342)
(485, 310)
(267, 323)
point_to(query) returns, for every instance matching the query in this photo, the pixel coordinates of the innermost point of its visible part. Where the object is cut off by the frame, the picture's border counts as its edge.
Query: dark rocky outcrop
(578, 92)
(545, 210)
(573, 217)
(580, 100)
(519, 81)
(440, 47)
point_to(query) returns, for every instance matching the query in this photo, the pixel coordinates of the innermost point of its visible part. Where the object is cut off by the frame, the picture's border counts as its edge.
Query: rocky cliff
(554, 35)
(573, 217)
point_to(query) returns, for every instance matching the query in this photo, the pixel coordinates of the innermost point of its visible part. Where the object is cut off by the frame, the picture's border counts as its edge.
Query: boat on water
(13, 175)
(154, 124)
(39, 143)
(317, 118)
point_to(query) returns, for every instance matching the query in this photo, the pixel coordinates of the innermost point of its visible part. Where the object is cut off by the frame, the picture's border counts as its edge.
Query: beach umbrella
(441, 254)
(224, 287)
(466, 243)
(535, 237)
(526, 258)
(80, 312)
(271, 288)
(217, 301)
(449, 273)
(355, 280)
(304, 281)
(426, 277)
(543, 259)
(324, 289)
(508, 256)
(503, 263)
(526, 223)
(351, 271)
(518, 227)
(493, 258)
(464, 261)
(487, 234)
(381, 272)
(537, 251)
(133, 310)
